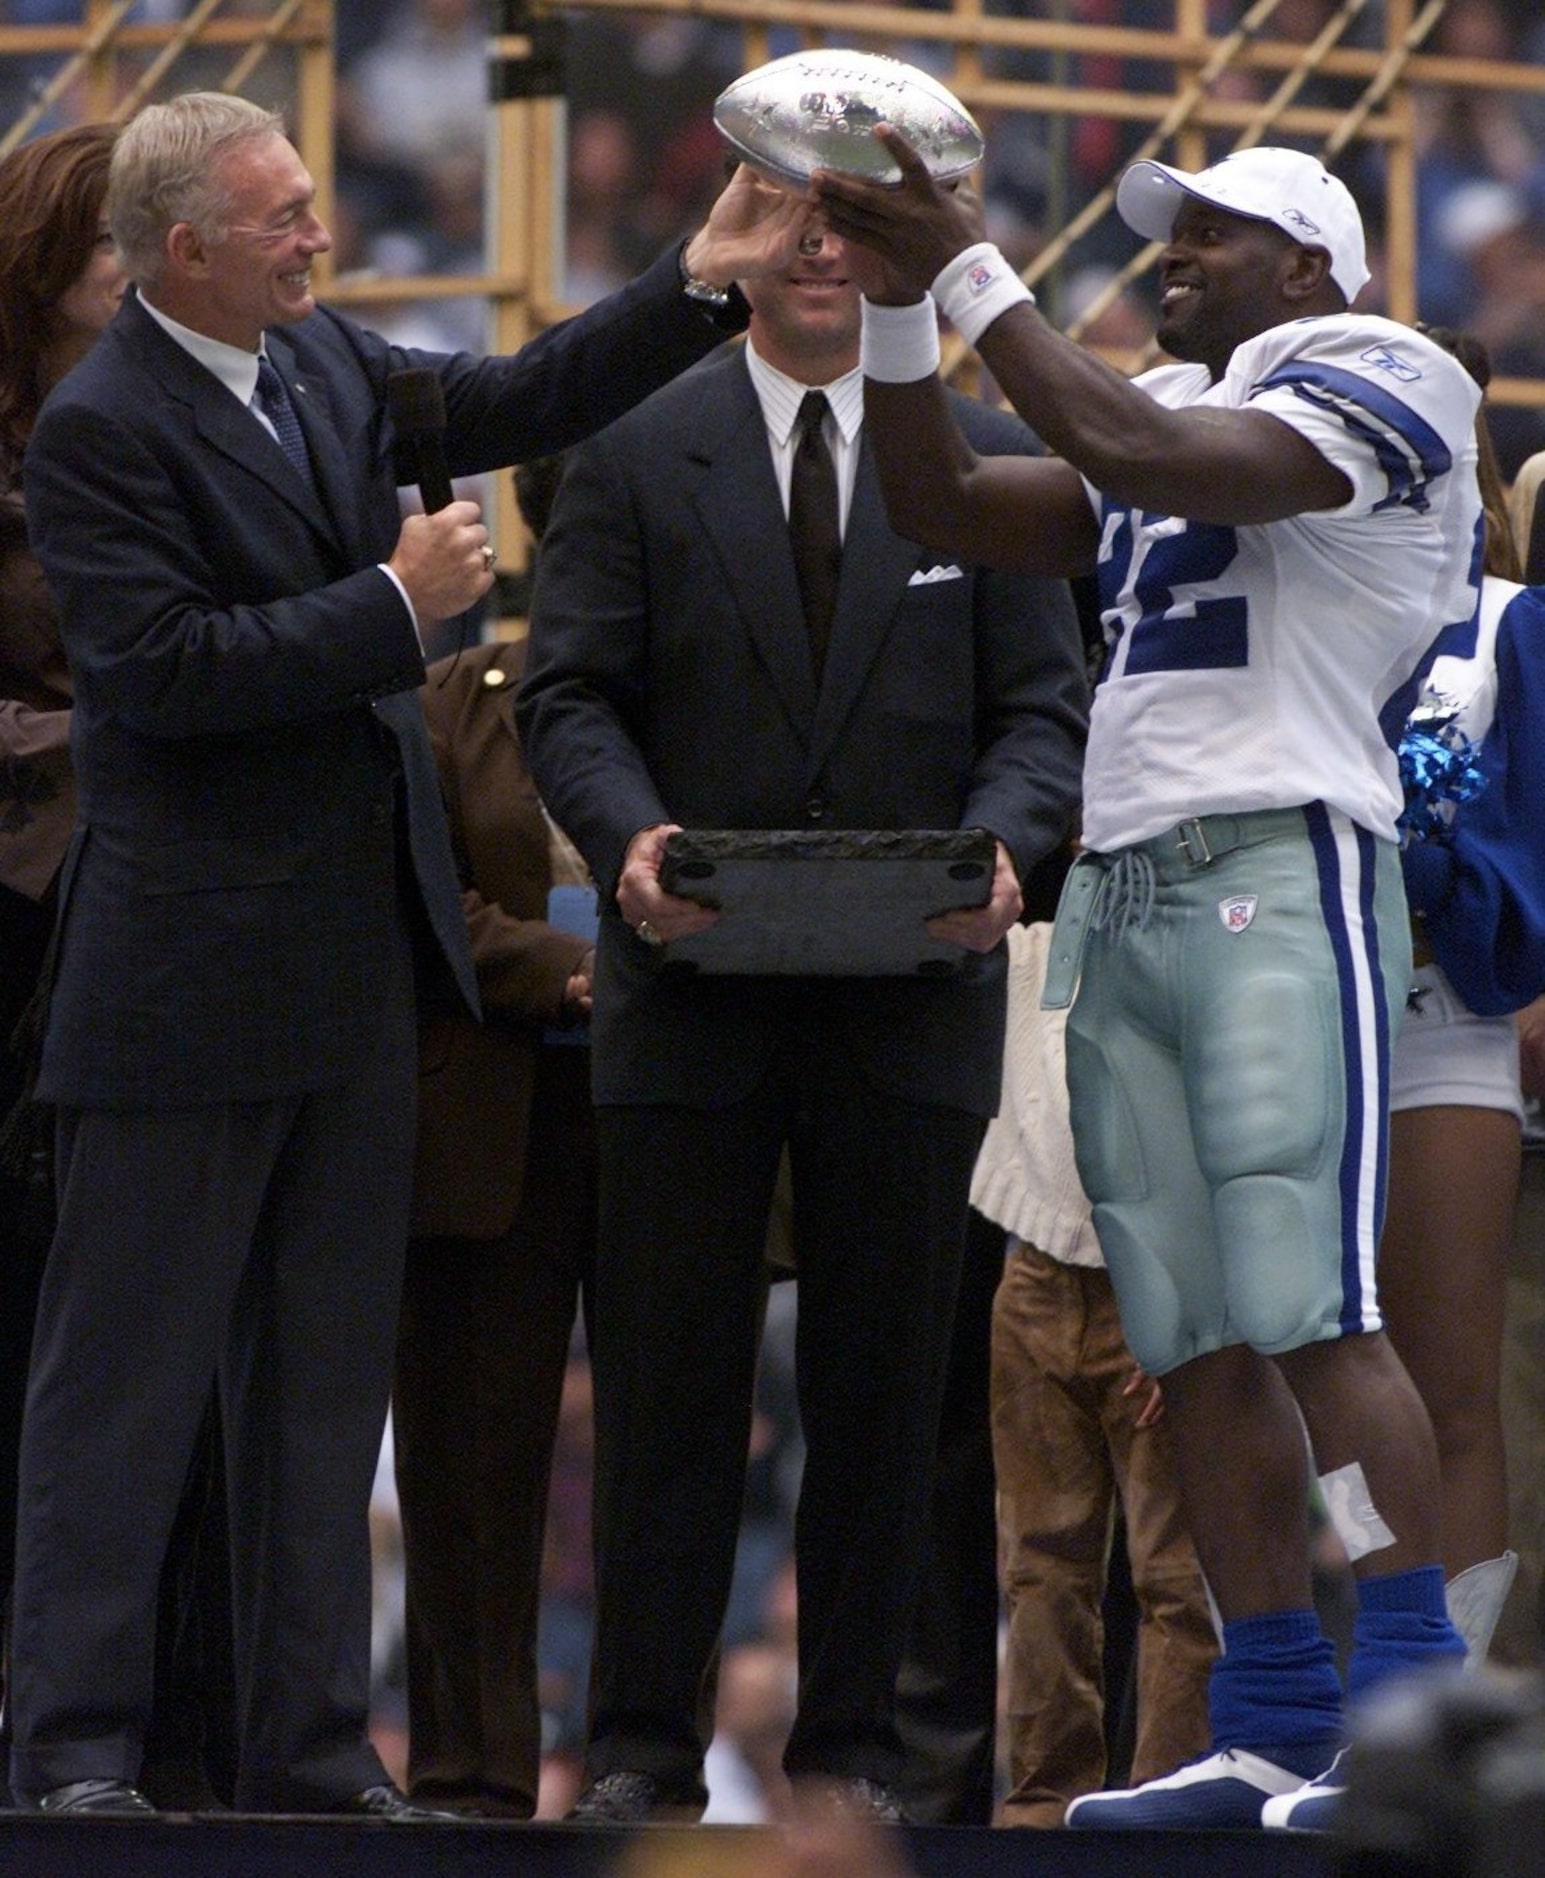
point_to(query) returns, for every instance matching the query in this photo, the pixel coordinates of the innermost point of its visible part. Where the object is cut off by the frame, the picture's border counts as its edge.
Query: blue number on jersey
(1199, 635)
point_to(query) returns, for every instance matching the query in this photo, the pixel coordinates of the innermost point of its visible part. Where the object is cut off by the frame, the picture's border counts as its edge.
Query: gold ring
(488, 558)
(647, 933)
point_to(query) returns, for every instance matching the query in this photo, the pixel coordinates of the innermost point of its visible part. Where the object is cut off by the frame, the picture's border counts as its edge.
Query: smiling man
(259, 887)
(1281, 525)
(687, 668)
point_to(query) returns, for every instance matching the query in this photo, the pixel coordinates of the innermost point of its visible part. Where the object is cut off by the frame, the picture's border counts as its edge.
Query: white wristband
(898, 344)
(974, 288)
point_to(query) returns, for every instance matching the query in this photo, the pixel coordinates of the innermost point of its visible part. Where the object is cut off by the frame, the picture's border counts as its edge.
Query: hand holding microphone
(443, 560)
(442, 557)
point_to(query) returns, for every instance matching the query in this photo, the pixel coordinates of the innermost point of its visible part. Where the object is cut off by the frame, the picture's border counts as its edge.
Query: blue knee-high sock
(1274, 1691)
(1402, 1625)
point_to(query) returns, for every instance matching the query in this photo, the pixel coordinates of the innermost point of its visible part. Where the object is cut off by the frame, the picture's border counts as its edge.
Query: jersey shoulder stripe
(1411, 453)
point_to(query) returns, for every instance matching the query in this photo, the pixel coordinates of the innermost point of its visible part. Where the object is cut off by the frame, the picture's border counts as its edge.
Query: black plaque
(838, 903)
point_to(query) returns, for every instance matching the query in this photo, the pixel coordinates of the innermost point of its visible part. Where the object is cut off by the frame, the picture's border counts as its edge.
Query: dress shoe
(95, 1796)
(629, 1799)
(387, 1802)
(855, 1796)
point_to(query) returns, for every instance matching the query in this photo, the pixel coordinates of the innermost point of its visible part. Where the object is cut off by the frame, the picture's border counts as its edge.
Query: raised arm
(1227, 466)
(1019, 514)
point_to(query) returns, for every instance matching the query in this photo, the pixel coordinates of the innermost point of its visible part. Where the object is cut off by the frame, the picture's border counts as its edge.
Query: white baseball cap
(1268, 184)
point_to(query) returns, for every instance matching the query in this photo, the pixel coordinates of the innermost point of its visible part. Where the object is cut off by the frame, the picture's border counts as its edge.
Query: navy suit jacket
(254, 772)
(669, 679)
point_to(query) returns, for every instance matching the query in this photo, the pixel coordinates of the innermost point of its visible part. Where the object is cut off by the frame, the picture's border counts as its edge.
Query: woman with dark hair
(60, 285)
(60, 282)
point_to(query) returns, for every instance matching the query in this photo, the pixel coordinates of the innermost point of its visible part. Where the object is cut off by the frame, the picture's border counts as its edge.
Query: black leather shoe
(387, 1802)
(629, 1799)
(95, 1796)
(855, 1796)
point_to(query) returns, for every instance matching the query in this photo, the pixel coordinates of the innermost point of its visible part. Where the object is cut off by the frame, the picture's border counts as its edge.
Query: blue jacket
(1480, 886)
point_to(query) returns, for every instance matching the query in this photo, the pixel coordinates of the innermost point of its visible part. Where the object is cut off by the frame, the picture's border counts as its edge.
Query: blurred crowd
(643, 160)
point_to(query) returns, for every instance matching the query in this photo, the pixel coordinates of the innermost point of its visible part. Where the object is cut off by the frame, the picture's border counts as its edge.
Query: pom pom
(1439, 769)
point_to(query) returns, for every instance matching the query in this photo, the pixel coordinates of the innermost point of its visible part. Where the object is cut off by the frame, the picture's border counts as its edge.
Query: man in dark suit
(672, 681)
(260, 864)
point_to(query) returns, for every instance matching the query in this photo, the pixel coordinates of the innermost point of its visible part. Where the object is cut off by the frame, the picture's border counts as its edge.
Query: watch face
(817, 110)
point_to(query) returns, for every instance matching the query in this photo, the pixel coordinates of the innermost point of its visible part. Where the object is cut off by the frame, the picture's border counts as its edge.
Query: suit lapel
(737, 499)
(233, 431)
(337, 481)
(876, 566)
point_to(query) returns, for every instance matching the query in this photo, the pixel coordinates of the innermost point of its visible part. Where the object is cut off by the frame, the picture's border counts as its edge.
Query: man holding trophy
(1281, 524)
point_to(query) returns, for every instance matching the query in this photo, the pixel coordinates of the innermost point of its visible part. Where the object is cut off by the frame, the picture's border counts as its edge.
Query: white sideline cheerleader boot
(1475, 1600)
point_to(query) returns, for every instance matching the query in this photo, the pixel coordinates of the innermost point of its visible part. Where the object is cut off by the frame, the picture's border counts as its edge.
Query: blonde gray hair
(167, 168)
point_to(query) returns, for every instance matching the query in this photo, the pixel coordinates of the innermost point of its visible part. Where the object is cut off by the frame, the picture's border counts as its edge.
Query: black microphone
(417, 405)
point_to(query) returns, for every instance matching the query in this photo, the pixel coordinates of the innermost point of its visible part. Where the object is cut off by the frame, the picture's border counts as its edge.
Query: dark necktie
(813, 524)
(274, 399)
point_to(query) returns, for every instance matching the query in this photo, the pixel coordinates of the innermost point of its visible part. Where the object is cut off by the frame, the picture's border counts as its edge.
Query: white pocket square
(927, 577)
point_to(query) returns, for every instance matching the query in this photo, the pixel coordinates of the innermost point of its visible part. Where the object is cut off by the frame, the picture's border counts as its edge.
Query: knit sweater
(1025, 1178)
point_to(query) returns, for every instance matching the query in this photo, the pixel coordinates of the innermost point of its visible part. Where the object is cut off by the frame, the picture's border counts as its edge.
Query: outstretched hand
(753, 228)
(912, 228)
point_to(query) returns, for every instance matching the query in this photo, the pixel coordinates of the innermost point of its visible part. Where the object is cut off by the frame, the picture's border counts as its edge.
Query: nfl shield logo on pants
(1238, 912)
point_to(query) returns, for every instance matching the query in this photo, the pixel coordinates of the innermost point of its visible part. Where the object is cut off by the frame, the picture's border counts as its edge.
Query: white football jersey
(1461, 683)
(1267, 666)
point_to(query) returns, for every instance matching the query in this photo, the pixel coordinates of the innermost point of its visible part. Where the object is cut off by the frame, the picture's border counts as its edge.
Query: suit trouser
(263, 1242)
(947, 1693)
(190, 1744)
(880, 1206)
(1065, 1447)
(481, 1355)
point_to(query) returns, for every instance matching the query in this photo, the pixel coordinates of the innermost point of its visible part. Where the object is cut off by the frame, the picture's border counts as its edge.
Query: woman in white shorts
(1455, 1132)
(1477, 890)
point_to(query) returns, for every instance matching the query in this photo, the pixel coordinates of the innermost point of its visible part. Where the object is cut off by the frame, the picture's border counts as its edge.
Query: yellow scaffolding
(1231, 86)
